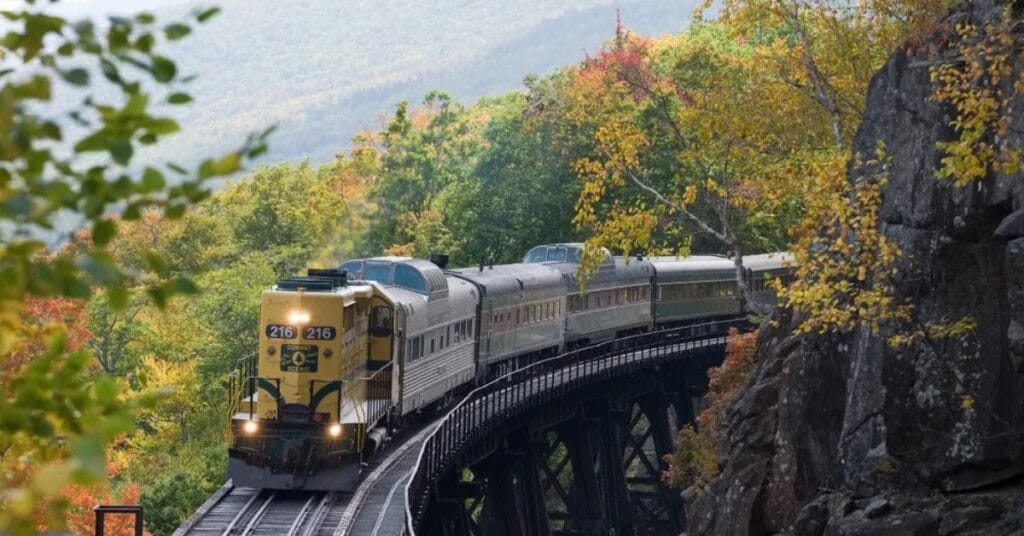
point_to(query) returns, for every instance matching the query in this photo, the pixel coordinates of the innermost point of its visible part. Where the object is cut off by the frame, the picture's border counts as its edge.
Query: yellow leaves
(967, 402)
(712, 187)
(843, 261)
(621, 141)
(627, 230)
(971, 84)
(689, 195)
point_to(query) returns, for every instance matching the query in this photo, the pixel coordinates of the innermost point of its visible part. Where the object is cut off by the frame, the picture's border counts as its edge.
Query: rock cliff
(845, 435)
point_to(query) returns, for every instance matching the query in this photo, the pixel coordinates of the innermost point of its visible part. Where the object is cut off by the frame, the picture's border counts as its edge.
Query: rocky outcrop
(845, 435)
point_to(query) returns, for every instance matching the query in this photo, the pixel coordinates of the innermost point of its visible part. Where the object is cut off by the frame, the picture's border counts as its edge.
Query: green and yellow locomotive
(316, 398)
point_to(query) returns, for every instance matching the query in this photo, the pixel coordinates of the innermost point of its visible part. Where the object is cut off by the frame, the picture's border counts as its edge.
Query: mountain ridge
(325, 87)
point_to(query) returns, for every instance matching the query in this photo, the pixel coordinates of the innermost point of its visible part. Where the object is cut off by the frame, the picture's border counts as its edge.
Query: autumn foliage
(981, 85)
(43, 319)
(81, 500)
(695, 461)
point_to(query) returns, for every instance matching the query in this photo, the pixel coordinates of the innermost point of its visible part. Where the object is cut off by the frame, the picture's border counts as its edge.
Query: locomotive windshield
(556, 254)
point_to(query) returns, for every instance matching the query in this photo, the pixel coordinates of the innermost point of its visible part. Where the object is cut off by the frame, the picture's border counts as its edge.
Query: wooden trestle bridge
(570, 445)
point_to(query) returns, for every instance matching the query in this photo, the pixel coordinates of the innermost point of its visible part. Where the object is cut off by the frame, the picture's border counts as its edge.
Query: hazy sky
(97, 7)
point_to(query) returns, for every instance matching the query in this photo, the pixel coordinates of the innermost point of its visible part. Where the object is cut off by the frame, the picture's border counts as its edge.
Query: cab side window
(380, 321)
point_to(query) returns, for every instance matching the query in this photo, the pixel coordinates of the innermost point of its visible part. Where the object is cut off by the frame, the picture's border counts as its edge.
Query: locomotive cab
(310, 397)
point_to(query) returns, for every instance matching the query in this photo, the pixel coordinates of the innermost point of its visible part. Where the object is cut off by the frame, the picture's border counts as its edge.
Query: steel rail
(303, 514)
(258, 516)
(317, 518)
(241, 512)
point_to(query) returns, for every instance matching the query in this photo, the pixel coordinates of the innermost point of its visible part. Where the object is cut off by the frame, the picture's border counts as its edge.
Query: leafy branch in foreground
(79, 166)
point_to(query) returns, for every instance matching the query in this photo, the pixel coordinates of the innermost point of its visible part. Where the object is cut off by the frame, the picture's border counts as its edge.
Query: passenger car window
(537, 254)
(414, 349)
(353, 268)
(410, 278)
(557, 254)
(380, 273)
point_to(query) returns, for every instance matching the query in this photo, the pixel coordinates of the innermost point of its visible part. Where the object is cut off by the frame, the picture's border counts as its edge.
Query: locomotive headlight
(298, 316)
(334, 430)
(250, 427)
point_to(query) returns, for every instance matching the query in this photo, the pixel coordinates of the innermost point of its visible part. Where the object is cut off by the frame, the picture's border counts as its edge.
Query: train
(347, 355)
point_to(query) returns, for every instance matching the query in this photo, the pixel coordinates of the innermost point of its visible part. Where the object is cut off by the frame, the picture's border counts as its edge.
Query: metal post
(535, 510)
(252, 396)
(587, 510)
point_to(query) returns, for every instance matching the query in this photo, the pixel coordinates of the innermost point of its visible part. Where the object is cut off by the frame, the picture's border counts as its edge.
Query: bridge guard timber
(571, 444)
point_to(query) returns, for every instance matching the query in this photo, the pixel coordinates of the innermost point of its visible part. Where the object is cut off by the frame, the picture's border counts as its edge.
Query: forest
(732, 136)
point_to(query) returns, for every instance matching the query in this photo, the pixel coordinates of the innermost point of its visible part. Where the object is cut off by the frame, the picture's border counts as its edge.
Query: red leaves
(695, 461)
(81, 501)
(725, 381)
(627, 61)
(67, 312)
(46, 317)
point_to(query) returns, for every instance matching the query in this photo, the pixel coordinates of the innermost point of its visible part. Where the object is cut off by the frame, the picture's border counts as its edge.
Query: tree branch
(824, 93)
(678, 208)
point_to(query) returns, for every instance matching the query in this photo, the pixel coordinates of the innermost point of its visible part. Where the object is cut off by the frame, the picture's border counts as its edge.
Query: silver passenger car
(694, 287)
(616, 300)
(434, 326)
(522, 310)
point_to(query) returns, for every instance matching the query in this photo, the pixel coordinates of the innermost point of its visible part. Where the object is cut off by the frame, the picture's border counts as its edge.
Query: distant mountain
(324, 69)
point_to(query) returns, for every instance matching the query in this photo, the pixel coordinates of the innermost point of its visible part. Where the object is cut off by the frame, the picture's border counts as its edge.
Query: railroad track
(237, 511)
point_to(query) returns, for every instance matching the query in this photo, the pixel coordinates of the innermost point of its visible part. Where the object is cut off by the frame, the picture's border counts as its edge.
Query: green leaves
(103, 231)
(179, 98)
(163, 69)
(152, 181)
(206, 14)
(54, 412)
(176, 31)
(76, 76)
(224, 165)
(54, 415)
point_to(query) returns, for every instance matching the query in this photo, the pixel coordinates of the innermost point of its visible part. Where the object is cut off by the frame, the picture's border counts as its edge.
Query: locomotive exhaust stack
(440, 260)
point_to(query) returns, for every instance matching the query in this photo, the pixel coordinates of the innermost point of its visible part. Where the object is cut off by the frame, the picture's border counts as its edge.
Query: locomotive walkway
(418, 484)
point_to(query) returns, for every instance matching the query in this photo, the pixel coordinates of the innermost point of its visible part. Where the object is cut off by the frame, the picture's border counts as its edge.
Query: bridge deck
(379, 504)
